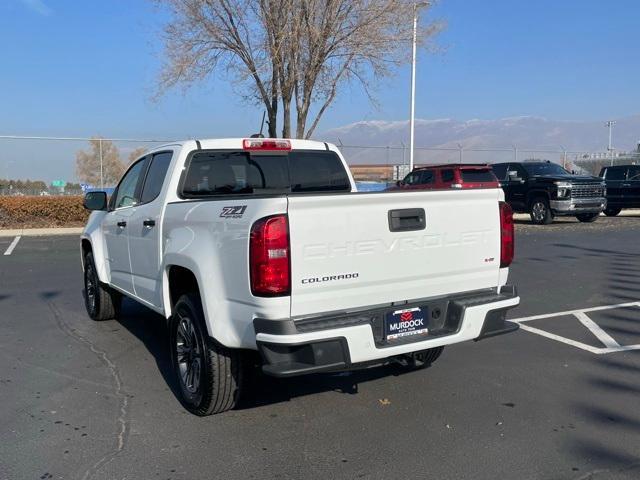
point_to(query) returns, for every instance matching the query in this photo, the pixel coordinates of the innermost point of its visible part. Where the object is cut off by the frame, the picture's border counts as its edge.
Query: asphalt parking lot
(556, 400)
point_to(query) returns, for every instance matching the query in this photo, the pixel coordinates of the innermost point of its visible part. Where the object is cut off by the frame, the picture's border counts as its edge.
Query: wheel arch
(179, 280)
(92, 244)
(85, 247)
(533, 194)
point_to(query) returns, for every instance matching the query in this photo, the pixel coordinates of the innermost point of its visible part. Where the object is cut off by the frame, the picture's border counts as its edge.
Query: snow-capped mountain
(526, 133)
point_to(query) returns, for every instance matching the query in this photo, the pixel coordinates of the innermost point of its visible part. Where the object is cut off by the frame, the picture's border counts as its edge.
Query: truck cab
(545, 190)
(623, 188)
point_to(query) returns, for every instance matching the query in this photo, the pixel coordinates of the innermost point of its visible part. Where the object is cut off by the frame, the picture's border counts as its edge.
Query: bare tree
(88, 163)
(135, 155)
(291, 53)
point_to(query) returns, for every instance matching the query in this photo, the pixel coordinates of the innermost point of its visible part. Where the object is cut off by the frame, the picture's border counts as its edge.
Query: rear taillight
(266, 144)
(507, 237)
(269, 257)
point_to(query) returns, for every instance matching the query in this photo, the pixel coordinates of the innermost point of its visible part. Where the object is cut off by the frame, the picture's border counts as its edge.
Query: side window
(126, 192)
(412, 179)
(427, 177)
(500, 171)
(634, 173)
(447, 175)
(155, 176)
(522, 173)
(616, 173)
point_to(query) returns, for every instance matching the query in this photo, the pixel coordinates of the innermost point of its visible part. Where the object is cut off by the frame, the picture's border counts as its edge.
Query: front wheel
(540, 212)
(587, 217)
(209, 374)
(101, 301)
(612, 212)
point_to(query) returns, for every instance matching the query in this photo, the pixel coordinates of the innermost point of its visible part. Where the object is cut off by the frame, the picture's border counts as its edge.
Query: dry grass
(42, 212)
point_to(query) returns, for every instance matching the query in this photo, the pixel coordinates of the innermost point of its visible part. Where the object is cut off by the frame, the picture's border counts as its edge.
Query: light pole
(610, 124)
(101, 169)
(416, 6)
(564, 157)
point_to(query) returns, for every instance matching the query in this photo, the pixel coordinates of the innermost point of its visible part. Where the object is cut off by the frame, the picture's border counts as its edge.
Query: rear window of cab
(477, 175)
(219, 173)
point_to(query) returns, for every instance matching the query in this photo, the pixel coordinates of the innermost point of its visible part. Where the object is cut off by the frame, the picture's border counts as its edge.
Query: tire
(540, 212)
(423, 358)
(101, 302)
(587, 217)
(612, 212)
(209, 375)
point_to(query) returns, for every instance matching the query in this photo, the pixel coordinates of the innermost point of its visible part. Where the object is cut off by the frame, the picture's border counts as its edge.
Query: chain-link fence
(46, 166)
(391, 163)
(69, 166)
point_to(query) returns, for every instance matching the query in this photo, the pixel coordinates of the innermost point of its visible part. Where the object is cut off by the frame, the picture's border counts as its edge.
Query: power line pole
(610, 124)
(101, 169)
(416, 7)
(413, 87)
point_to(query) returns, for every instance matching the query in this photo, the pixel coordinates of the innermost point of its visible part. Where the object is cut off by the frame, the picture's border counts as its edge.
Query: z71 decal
(233, 212)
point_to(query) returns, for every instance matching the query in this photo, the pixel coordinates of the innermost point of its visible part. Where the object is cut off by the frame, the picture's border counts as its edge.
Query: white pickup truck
(264, 244)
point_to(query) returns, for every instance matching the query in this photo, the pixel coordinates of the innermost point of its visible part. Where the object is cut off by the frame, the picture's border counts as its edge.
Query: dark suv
(545, 189)
(623, 188)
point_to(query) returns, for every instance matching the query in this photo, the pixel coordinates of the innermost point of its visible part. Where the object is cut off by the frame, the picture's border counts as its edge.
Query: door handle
(407, 220)
(626, 184)
(149, 223)
(122, 224)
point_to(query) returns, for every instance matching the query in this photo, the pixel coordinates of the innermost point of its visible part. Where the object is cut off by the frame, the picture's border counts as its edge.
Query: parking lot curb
(38, 232)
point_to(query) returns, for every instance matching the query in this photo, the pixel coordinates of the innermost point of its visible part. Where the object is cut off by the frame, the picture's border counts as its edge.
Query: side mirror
(513, 176)
(95, 201)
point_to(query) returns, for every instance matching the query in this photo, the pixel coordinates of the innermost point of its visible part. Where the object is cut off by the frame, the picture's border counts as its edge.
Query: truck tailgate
(352, 251)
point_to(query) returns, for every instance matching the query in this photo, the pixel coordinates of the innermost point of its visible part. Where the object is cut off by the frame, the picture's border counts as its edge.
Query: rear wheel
(101, 302)
(587, 217)
(540, 211)
(210, 375)
(612, 212)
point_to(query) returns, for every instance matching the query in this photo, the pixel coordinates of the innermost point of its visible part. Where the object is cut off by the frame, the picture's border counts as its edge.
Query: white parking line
(573, 312)
(610, 345)
(558, 338)
(603, 336)
(13, 245)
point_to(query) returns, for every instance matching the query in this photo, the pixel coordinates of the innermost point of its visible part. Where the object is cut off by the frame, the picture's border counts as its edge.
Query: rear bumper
(578, 205)
(351, 340)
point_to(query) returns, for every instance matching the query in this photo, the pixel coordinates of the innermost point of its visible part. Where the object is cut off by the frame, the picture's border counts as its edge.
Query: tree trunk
(272, 119)
(286, 121)
(301, 122)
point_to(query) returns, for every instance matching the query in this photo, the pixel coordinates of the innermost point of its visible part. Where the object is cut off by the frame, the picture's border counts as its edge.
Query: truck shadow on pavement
(151, 329)
(260, 389)
(265, 390)
(612, 378)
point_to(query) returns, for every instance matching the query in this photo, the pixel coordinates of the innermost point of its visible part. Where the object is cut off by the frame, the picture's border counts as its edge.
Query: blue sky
(88, 68)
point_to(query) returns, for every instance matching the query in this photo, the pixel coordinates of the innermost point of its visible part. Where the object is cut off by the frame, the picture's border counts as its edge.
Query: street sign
(59, 183)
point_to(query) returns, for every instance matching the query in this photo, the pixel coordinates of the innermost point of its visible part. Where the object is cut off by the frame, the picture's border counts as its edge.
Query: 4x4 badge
(233, 212)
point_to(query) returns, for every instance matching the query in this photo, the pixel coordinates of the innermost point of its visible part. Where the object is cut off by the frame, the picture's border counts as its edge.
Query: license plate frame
(406, 324)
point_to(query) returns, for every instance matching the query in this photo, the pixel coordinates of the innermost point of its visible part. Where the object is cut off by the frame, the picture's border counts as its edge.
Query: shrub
(42, 212)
